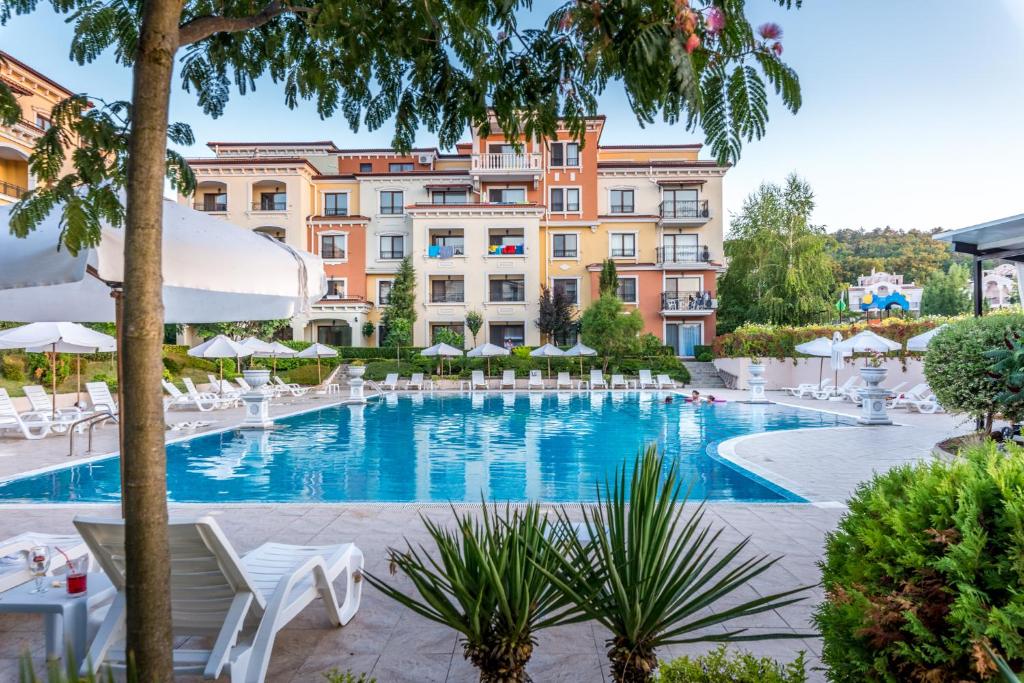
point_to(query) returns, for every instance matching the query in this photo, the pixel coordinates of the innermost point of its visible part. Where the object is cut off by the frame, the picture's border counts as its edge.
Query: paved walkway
(393, 644)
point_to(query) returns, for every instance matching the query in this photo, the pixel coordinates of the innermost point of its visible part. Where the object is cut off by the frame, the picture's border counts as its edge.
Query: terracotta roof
(10, 58)
(249, 161)
(682, 181)
(692, 145)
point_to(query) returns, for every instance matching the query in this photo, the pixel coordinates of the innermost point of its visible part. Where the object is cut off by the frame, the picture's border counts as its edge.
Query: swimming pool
(515, 447)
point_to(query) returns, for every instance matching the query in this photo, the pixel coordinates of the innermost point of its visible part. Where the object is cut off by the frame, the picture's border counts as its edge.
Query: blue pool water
(515, 447)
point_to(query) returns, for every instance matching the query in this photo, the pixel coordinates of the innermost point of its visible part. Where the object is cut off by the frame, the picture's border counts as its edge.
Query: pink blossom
(777, 48)
(692, 43)
(770, 31)
(715, 20)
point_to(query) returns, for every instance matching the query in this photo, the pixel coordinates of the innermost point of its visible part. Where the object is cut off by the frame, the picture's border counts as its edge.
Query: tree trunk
(144, 488)
(631, 663)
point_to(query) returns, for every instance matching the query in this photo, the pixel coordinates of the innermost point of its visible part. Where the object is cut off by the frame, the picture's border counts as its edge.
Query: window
(680, 248)
(680, 204)
(273, 201)
(448, 197)
(623, 244)
(453, 328)
(565, 199)
(508, 334)
(447, 291)
(627, 290)
(508, 288)
(336, 204)
(402, 167)
(335, 334)
(335, 289)
(366, 168)
(43, 122)
(565, 154)
(501, 148)
(333, 246)
(506, 243)
(622, 201)
(215, 201)
(392, 202)
(507, 195)
(568, 286)
(446, 246)
(392, 247)
(563, 245)
(567, 337)
(383, 292)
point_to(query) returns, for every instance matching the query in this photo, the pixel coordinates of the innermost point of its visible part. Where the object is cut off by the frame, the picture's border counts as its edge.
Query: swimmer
(695, 397)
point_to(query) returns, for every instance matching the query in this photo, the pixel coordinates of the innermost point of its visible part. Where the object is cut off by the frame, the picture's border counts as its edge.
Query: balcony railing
(392, 255)
(684, 209)
(691, 254)
(332, 254)
(270, 206)
(447, 297)
(687, 301)
(11, 190)
(445, 251)
(336, 211)
(517, 296)
(506, 249)
(563, 253)
(210, 206)
(506, 162)
(624, 253)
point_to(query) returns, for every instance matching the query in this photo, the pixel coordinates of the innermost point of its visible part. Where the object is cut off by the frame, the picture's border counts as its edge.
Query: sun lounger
(563, 381)
(13, 569)
(618, 382)
(238, 603)
(99, 395)
(536, 380)
(919, 392)
(42, 404)
(665, 382)
(390, 382)
(646, 381)
(508, 379)
(417, 382)
(478, 381)
(807, 390)
(202, 402)
(828, 392)
(597, 380)
(293, 388)
(30, 426)
(205, 398)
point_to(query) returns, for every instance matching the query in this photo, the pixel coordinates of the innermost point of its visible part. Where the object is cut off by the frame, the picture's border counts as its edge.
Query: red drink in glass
(76, 584)
(76, 574)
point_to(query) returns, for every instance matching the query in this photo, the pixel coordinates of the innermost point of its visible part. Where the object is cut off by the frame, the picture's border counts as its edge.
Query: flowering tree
(431, 64)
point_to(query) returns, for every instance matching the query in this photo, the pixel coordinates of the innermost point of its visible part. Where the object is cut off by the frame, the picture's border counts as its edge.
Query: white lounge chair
(919, 392)
(390, 382)
(293, 388)
(416, 381)
(99, 395)
(563, 381)
(928, 405)
(806, 390)
(240, 603)
(31, 426)
(42, 404)
(646, 381)
(206, 397)
(478, 381)
(508, 379)
(829, 392)
(665, 382)
(536, 380)
(198, 401)
(618, 382)
(597, 380)
(13, 569)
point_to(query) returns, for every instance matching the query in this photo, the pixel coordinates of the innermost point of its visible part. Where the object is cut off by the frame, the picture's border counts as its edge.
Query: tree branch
(205, 26)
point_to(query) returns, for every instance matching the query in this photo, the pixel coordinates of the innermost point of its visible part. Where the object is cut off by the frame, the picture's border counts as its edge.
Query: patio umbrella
(277, 350)
(867, 342)
(318, 351)
(548, 351)
(820, 347)
(580, 349)
(488, 351)
(921, 341)
(220, 347)
(836, 358)
(259, 348)
(443, 350)
(58, 337)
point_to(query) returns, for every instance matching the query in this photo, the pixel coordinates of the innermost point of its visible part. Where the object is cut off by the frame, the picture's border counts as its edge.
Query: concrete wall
(790, 373)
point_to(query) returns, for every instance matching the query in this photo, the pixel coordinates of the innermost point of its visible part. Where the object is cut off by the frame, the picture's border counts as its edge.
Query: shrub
(110, 380)
(957, 368)
(172, 365)
(703, 353)
(39, 367)
(12, 367)
(339, 676)
(925, 570)
(719, 666)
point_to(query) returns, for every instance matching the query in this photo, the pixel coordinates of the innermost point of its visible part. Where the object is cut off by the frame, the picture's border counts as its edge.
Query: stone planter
(756, 383)
(355, 384)
(256, 377)
(257, 401)
(873, 397)
(356, 370)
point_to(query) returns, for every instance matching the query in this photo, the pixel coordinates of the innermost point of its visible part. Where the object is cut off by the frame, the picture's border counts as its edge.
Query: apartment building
(37, 96)
(486, 227)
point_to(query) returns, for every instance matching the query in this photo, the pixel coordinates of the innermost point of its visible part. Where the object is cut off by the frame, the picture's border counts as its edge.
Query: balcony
(684, 212)
(687, 254)
(211, 207)
(11, 190)
(507, 166)
(270, 205)
(444, 297)
(506, 250)
(687, 303)
(336, 211)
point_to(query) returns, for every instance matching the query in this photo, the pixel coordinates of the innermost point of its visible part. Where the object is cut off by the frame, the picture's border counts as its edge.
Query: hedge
(770, 341)
(721, 666)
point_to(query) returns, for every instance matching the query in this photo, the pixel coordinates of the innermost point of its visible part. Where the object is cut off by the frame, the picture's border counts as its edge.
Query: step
(704, 374)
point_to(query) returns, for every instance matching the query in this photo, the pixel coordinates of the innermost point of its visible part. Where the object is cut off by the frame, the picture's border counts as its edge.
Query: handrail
(92, 420)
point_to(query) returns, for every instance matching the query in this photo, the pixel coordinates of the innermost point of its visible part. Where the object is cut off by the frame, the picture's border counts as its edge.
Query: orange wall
(355, 268)
(380, 165)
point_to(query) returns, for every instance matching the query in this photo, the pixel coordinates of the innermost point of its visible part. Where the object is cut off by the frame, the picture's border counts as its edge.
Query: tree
(263, 329)
(436, 65)
(946, 293)
(556, 314)
(609, 330)
(399, 335)
(780, 271)
(914, 254)
(402, 299)
(474, 321)
(608, 283)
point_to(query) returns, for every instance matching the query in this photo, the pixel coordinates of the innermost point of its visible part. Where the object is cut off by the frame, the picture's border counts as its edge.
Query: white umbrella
(820, 347)
(54, 338)
(220, 347)
(318, 351)
(836, 358)
(548, 351)
(276, 350)
(488, 351)
(443, 350)
(259, 348)
(868, 342)
(581, 349)
(921, 341)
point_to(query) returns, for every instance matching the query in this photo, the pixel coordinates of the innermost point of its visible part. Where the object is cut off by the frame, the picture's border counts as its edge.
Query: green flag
(841, 305)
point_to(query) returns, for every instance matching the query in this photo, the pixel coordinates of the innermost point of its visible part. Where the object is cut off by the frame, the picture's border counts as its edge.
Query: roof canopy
(999, 239)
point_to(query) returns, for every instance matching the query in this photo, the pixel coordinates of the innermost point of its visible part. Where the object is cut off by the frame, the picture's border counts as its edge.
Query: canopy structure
(580, 349)
(1001, 239)
(58, 337)
(488, 351)
(443, 350)
(548, 351)
(39, 281)
(920, 342)
(318, 351)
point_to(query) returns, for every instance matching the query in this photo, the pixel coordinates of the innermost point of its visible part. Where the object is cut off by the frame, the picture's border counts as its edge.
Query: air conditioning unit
(426, 159)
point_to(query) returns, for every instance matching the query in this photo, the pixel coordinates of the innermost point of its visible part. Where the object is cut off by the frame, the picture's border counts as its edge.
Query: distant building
(999, 286)
(882, 291)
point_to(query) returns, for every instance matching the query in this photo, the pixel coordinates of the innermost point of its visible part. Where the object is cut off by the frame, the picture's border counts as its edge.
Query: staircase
(703, 375)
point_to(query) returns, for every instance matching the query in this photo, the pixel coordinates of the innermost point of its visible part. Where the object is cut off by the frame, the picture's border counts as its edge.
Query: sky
(912, 109)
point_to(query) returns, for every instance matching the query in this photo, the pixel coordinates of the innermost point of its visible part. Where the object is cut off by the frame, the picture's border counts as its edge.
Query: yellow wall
(14, 171)
(322, 187)
(644, 155)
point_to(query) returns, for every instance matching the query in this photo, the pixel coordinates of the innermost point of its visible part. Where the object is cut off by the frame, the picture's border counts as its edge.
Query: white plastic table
(66, 617)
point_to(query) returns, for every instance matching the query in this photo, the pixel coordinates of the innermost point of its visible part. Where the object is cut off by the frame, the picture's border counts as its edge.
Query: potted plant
(874, 371)
(356, 368)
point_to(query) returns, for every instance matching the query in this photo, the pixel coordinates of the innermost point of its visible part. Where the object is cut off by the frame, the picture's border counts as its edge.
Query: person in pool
(694, 397)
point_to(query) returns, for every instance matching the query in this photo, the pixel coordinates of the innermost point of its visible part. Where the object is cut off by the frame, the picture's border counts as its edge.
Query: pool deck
(392, 644)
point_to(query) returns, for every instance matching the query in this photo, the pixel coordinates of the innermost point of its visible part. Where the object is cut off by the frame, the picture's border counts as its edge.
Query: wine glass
(39, 563)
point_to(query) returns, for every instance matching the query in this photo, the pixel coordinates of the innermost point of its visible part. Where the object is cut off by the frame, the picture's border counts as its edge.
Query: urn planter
(873, 397)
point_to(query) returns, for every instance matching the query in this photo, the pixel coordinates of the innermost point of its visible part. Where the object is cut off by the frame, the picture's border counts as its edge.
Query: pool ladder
(92, 421)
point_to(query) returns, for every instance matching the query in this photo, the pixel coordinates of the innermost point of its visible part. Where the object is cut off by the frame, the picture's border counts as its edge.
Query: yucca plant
(486, 579)
(649, 572)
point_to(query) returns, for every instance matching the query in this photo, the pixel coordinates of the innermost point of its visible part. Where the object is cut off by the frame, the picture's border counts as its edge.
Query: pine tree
(402, 299)
(609, 280)
(555, 317)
